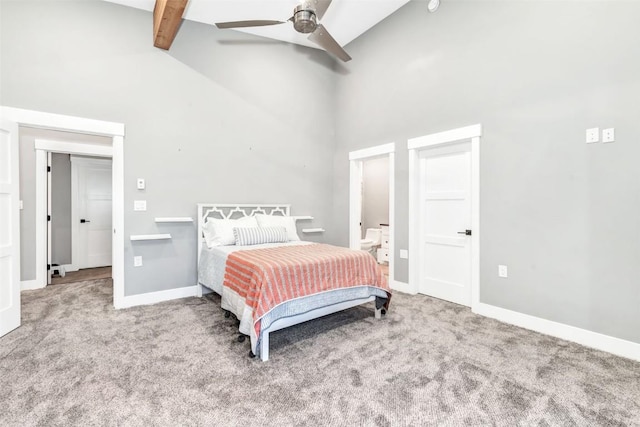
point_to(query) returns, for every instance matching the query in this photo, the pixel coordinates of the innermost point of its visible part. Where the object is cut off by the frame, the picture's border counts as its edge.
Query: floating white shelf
(174, 219)
(302, 217)
(313, 230)
(134, 237)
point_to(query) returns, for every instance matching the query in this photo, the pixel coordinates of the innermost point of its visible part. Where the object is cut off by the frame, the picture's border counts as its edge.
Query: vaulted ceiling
(345, 19)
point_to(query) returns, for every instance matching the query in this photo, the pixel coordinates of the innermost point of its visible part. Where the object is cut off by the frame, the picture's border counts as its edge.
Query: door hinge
(48, 168)
(48, 217)
(48, 267)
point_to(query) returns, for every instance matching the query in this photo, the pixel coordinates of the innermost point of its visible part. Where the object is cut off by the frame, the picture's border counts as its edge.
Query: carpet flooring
(77, 361)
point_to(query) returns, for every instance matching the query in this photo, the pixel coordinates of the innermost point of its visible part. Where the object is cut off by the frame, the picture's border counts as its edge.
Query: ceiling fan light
(433, 5)
(304, 20)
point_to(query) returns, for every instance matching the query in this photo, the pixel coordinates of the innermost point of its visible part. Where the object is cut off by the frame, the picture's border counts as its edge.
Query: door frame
(415, 146)
(49, 219)
(76, 255)
(73, 124)
(67, 267)
(356, 159)
(43, 148)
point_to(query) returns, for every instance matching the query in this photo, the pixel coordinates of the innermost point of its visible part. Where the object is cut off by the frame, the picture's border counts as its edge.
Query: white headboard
(227, 211)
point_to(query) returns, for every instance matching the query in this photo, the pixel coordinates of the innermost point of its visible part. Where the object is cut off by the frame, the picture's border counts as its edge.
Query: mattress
(213, 260)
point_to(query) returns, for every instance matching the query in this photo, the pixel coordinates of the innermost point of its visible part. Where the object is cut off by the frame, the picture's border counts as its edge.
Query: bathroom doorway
(374, 213)
(371, 204)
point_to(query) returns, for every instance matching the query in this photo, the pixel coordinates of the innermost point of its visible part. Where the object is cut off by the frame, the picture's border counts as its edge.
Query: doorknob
(82, 221)
(465, 232)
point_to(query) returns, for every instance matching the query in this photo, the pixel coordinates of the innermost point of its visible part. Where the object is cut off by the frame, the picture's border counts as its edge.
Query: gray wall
(561, 214)
(28, 212)
(60, 209)
(218, 118)
(222, 117)
(375, 193)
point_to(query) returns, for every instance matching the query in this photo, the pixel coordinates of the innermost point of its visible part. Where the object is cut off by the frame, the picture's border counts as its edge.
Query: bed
(273, 285)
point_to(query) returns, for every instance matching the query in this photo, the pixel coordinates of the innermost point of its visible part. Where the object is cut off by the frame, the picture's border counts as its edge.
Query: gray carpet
(76, 361)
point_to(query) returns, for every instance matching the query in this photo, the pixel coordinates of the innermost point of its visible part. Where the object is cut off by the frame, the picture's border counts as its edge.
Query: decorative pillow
(219, 232)
(287, 222)
(258, 235)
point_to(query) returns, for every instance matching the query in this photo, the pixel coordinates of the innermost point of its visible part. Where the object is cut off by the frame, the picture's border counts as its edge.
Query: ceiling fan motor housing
(304, 20)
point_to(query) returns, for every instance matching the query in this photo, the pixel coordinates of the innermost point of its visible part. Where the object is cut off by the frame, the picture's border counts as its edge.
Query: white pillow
(259, 235)
(287, 222)
(219, 232)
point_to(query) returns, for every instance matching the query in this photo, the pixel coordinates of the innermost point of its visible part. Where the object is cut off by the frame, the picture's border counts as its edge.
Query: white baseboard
(402, 287)
(155, 297)
(587, 338)
(27, 285)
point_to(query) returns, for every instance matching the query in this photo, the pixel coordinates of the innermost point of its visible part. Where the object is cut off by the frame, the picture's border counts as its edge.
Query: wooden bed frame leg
(264, 347)
(378, 313)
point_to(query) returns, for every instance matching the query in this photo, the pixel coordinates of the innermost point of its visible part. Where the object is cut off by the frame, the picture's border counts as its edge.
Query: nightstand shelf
(313, 230)
(139, 237)
(174, 219)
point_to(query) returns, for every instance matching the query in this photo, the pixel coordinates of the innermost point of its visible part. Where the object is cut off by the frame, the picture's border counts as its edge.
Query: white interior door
(445, 223)
(9, 229)
(92, 212)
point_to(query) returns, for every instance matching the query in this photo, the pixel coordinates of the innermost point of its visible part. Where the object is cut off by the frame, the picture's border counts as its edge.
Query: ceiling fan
(305, 20)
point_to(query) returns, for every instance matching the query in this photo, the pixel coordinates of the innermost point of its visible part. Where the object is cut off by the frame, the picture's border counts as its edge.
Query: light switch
(502, 271)
(608, 135)
(404, 254)
(593, 135)
(140, 183)
(139, 205)
(21, 204)
(137, 261)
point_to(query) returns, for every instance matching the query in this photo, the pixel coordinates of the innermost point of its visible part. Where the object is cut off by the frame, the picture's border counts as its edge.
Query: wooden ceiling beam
(167, 16)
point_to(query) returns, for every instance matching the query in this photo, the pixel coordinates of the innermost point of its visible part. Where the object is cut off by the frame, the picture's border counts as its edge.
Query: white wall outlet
(502, 271)
(140, 183)
(21, 204)
(137, 261)
(593, 135)
(404, 254)
(139, 205)
(608, 135)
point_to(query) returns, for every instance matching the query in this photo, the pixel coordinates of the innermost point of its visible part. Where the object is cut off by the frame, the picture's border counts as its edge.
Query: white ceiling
(345, 19)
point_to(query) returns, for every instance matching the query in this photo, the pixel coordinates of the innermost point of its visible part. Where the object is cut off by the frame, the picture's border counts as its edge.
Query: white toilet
(371, 240)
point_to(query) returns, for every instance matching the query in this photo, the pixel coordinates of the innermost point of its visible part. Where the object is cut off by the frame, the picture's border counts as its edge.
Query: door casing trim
(415, 146)
(356, 159)
(116, 132)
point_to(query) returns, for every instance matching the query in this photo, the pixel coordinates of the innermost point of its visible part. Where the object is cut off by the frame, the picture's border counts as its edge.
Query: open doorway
(41, 134)
(73, 180)
(374, 213)
(79, 218)
(13, 278)
(371, 204)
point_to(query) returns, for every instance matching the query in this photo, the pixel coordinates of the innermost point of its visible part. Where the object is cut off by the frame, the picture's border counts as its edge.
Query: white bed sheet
(212, 262)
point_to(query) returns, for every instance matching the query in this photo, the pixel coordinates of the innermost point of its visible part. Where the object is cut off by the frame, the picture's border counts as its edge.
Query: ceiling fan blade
(320, 6)
(322, 38)
(242, 24)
